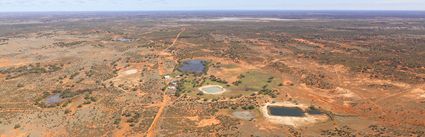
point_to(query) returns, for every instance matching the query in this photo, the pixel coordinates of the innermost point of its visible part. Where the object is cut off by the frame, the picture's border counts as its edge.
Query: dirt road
(175, 39)
(165, 99)
(151, 130)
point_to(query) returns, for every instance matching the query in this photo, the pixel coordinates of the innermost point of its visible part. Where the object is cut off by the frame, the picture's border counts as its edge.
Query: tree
(17, 126)
(200, 93)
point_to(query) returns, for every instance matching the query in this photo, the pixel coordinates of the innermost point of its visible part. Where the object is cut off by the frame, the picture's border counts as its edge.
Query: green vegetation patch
(256, 81)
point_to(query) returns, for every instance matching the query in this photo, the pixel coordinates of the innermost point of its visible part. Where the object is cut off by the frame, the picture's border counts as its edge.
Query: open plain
(127, 74)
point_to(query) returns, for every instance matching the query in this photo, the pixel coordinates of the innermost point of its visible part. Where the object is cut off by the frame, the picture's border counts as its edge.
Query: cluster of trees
(294, 132)
(215, 79)
(238, 82)
(4, 40)
(281, 67)
(132, 118)
(69, 44)
(266, 91)
(35, 69)
(345, 131)
(270, 80)
(180, 88)
(89, 99)
(251, 107)
(317, 80)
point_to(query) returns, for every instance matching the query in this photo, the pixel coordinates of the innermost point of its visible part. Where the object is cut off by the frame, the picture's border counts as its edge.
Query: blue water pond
(285, 111)
(193, 66)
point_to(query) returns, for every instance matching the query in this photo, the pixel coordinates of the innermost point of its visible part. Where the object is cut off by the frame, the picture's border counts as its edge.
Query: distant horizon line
(217, 10)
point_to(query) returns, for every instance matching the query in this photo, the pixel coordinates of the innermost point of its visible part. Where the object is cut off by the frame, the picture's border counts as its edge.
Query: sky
(148, 5)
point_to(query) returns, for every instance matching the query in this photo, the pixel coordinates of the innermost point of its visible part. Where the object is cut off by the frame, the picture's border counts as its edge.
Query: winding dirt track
(175, 40)
(165, 99)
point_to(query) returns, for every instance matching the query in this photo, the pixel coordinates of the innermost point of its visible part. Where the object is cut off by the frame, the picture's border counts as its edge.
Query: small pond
(285, 111)
(244, 115)
(212, 89)
(53, 99)
(314, 111)
(193, 66)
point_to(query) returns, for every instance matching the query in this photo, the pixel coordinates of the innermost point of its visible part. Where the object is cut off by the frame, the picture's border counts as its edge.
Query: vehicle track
(165, 99)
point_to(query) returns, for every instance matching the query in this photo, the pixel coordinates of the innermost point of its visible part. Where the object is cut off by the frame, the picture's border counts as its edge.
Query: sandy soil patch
(416, 93)
(344, 93)
(126, 78)
(365, 79)
(122, 131)
(208, 122)
(244, 115)
(14, 133)
(260, 42)
(310, 42)
(287, 82)
(130, 72)
(12, 62)
(4, 63)
(229, 70)
(194, 118)
(227, 74)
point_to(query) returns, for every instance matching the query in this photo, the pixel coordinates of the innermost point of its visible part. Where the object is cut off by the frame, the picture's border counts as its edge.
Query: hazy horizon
(257, 10)
(207, 5)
